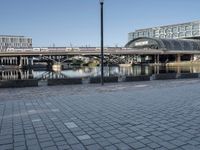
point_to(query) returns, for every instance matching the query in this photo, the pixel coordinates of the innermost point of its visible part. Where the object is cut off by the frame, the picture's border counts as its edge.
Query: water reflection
(94, 71)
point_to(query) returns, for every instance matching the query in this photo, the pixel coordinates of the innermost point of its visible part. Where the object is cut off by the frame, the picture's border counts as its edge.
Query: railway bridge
(25, 58)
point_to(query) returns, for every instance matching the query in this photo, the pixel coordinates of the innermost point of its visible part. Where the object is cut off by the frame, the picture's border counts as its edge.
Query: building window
(195, 27)
(181, 34)
(168, 30)
(161, 31)
(195, 33)
(182, 28)
(188, 34)
(174, 29)
(188, 28)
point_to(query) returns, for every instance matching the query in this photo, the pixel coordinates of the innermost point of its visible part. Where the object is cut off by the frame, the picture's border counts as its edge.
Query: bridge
(25, 58)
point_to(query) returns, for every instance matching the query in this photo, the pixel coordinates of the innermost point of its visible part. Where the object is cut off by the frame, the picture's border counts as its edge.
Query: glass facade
(185, 30)
(164, 44)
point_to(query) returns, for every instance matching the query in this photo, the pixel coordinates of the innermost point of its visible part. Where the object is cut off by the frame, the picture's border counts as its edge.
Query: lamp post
(102, 55)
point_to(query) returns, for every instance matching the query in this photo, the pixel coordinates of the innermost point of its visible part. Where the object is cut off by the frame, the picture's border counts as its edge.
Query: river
(93, 71)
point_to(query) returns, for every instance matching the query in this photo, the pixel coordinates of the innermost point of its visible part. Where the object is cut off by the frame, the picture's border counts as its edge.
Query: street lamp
(102, 55)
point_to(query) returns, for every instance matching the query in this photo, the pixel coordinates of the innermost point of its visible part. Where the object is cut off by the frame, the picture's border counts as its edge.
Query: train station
(179, 42)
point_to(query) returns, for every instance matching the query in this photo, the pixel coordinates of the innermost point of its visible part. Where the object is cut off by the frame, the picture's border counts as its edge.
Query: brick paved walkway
(143, 115)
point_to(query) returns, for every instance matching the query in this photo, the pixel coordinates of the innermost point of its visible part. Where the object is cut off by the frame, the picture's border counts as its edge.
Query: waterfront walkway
(138, 115)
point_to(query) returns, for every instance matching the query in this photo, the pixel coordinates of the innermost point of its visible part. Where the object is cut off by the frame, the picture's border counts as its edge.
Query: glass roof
(164, 44)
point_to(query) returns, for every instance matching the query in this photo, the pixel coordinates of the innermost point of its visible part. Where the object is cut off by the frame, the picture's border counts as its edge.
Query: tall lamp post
(102, 55)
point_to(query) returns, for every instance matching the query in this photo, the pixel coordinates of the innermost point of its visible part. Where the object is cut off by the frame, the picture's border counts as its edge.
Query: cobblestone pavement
(138, 115)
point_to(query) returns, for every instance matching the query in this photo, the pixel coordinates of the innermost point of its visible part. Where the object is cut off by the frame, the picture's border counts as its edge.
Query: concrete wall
(165, 76)
(64, 81)
(137, 78)
(187, 75)
(106, 79)
(18, 83)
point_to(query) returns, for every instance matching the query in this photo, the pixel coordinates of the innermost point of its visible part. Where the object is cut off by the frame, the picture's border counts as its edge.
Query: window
(145, 33)
(195, 33)
(161, 31)
(175, 35)
(168, 30)
(187, 27)
(168, 36)
(182, 28)
(140, 34)
(162, 36)
(174, 29)
(188, 34)
(195, 27)
(3, 40)
(181, 34)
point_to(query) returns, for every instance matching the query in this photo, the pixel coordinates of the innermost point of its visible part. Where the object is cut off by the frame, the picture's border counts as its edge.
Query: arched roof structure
(164, 44)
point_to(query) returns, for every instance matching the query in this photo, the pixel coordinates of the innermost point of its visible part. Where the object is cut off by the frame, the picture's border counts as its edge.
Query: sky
(77, 22)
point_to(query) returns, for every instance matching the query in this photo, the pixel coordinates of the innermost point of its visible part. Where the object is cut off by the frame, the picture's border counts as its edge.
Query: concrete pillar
(15, 60)
(178, 58)
(158, 58)
(21, 62)
(191, 57)
(18, 60)
(6, 61)
(155, 59)
(10, 61)
(30, 61)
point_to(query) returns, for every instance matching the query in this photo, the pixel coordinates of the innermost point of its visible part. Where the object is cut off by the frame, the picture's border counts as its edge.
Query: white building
(190, 30)
(9, 42)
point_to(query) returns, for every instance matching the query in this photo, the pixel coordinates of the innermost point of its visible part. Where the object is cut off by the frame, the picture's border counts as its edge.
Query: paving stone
(111, 148)
(113, 140)
(123, 146)
(34, 147)
(20, 148)
(71, 125)
(72, 141)
(137, 145)
(36, 120)
(78, 147)
(47, 144)
(88, 142)
(153, 145)
(84, 137)
(6, 147)
(50, 148)
(189, 147)
(94, 147)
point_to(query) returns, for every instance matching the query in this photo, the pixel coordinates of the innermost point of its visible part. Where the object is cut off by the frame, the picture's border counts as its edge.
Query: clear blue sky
(77, 21)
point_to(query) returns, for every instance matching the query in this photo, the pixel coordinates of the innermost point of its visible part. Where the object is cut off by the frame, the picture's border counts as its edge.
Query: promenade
(151, 115)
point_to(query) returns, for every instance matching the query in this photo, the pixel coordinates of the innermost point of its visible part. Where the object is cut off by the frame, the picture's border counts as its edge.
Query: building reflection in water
(16, 74)
(94, 71)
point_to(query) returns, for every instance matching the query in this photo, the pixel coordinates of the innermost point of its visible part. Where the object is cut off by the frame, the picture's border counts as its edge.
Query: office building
(190, 30)
(8, 42)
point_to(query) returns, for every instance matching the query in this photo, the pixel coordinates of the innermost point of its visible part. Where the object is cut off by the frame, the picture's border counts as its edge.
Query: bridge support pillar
(191, 57)
(156, 59)
(178, 58)
(1, 61)
(20, 62)
(30, 61)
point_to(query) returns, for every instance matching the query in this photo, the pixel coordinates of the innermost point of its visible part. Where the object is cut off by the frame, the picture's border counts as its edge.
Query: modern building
(9, 42)
(176, 31)
(176, 42)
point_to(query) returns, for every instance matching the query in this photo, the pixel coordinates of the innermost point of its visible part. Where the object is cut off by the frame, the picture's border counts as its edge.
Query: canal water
(93, 72)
